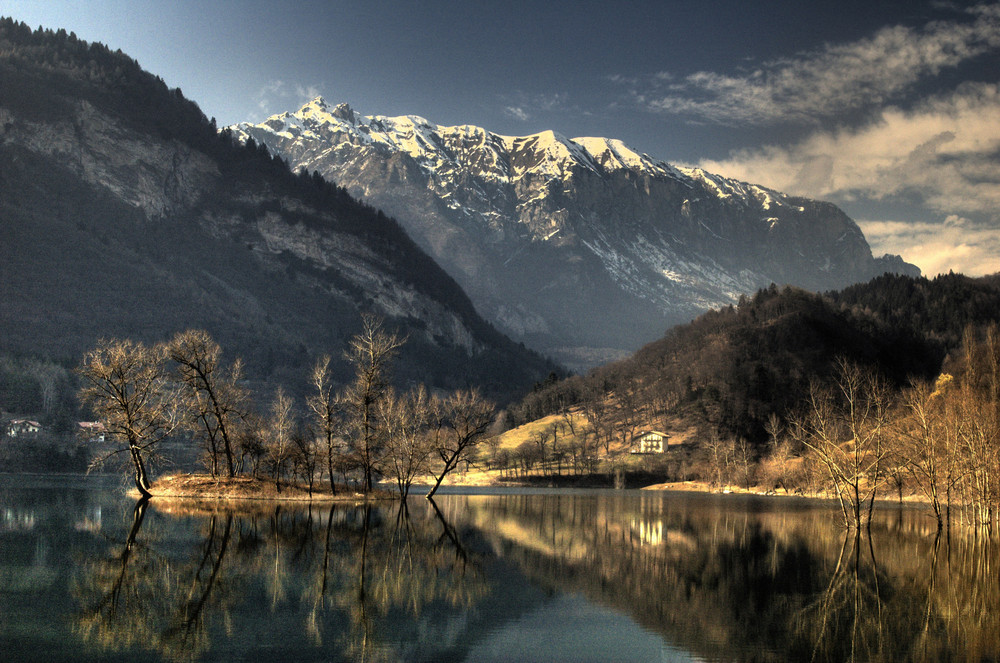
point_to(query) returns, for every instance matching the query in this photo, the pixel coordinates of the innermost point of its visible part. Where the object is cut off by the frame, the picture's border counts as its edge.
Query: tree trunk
(436, 485)
(141, 480)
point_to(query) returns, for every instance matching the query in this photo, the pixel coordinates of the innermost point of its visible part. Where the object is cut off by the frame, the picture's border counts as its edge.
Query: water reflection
(345, 572)
(561, 576)
(730, 579)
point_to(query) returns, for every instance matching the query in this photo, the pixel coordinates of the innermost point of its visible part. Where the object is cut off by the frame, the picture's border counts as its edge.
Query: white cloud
(937, 248)
(943, 156)
(307, 93)
(279, 95)
(522, 106)
(517, 113)
(840, 77)
(945, 153)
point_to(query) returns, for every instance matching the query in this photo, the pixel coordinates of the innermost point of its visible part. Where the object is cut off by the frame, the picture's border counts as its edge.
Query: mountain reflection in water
(615, 575)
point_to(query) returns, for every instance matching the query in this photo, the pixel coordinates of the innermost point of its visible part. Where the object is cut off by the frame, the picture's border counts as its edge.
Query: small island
(205, 487)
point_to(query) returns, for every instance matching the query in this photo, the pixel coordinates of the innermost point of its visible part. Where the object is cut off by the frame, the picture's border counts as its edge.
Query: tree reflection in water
(347, 572)
(141, 598)
(730, 579)
(721, 579)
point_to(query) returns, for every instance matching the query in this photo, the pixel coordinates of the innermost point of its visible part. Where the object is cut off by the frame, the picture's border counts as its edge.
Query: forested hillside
(729, 370)
(127, 214)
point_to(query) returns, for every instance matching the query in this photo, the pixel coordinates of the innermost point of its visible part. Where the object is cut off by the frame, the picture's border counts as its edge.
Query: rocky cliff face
(583, 248)
(118, 223)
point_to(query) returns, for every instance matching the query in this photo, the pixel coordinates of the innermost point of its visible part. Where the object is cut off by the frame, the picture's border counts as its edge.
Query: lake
(86, 574)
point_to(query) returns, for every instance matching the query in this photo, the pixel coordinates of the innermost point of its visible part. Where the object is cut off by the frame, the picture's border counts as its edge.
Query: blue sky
(889, 109)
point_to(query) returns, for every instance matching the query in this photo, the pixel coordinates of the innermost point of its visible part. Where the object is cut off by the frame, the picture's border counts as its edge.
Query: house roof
(644, 433)
(90, 425)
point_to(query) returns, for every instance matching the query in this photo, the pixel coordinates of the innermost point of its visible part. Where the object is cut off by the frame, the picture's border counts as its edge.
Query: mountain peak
(319, 109)
(343, 112)
(317, 104)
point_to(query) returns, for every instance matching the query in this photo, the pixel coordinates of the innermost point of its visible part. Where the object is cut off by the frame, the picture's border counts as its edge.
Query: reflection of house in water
(649, 442)
(18, 520)
(89, 521)
(650, 531)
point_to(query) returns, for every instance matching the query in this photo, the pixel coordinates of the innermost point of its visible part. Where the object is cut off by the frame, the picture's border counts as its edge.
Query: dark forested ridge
(125, 213)
(730, 369)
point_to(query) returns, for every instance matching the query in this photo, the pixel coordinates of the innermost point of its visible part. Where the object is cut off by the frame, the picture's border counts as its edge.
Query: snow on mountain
(584, 247)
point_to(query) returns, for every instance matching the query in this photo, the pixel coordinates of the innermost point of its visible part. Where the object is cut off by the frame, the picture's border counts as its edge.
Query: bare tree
(975, 422)
(599, 416)
(251, 445)
(744, 458)
(280, 427)
(493, 442)
(922, 441)
(720, 458)
(541, 440)
(558, 449)
(125, 384)
(469, 416)
(323, 404)
(408, 441)
(215, 399)
(568, 419)
(776, 465)
(629, 412)
(525, 457)
(845, 426)
(370, 353)
(306, 456)
(575, 446)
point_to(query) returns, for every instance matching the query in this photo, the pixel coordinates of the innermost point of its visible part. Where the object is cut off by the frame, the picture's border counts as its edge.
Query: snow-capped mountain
(582, 248)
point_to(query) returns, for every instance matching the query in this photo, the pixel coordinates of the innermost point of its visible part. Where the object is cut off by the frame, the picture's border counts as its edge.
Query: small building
(91, 431)
(649, 442)
(22, 427)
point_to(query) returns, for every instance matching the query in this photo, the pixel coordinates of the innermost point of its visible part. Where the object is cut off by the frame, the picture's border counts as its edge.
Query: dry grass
(706, 487)
(515, 437)
(202, 487)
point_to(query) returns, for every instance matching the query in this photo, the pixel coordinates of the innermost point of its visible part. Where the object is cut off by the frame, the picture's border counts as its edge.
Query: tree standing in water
(467, 417)
(845, 426)
(125, 383)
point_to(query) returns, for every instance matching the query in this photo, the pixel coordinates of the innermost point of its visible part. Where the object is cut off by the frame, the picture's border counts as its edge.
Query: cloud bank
(943, 153)
(938, 248)
(937, 156)
(840, 77)
(943, 156)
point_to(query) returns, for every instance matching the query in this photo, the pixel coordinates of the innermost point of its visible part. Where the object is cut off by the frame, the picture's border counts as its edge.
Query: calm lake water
(506, 576)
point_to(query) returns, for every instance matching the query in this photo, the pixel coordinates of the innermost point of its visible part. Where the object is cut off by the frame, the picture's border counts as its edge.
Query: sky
(889, 109)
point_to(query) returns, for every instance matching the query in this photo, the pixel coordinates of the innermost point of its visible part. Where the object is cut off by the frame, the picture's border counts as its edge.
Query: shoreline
(203, 488)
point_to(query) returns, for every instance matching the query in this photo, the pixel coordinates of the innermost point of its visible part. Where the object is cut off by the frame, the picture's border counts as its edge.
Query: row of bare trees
(145, 394)
(939, 439)
(855, 437)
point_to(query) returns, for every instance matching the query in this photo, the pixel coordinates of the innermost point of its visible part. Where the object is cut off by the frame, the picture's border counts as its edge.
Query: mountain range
(125, 213)
(581, 248)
